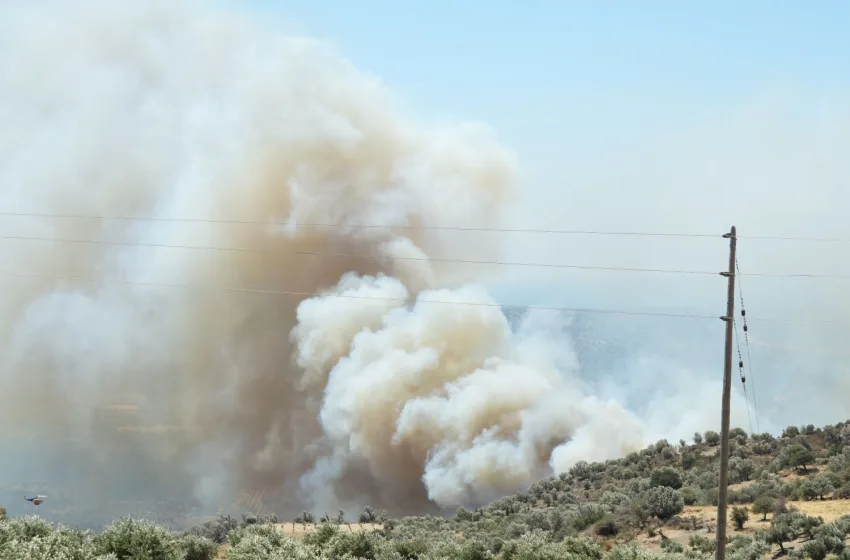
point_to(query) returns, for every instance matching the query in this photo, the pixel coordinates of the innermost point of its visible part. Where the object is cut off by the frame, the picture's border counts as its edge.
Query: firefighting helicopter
(36, 500)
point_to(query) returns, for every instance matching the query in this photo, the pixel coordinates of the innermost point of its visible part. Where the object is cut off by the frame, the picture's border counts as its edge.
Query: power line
(793, 238)
(403, 258)
(747, 340)
(741, 373)
(793, 275)
(807, 350)
(418, 227)
(321, 294)
(357, 256)
(465, 303)
(355, 226)
(782, 320)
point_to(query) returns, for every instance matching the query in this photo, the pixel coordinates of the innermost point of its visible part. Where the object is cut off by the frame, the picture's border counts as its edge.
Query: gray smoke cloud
(448, 394)
(187, 360)
(174, 111)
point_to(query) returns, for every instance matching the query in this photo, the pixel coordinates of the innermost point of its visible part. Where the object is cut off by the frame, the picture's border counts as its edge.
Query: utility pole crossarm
(729, 319)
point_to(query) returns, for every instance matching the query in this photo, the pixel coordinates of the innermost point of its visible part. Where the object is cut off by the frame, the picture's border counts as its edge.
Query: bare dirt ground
(297, 530)
(830, 510)
(706, 516)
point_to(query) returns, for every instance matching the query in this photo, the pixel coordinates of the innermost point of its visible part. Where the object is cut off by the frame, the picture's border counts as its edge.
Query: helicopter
(36, 500)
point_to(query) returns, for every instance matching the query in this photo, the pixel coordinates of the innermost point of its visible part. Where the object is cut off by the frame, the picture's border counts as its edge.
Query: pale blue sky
(604, 67)
(617, 107)
(579, 89)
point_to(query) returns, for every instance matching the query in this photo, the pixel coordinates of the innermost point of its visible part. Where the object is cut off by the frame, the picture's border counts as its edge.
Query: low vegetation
(788, 495)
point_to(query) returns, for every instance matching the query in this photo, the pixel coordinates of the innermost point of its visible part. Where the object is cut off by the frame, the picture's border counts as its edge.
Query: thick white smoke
(172, 111)
(447, 393)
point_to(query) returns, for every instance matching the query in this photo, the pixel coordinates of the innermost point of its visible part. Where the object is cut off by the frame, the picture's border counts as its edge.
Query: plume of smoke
(170, 110)
(447, 394)
(376, 389)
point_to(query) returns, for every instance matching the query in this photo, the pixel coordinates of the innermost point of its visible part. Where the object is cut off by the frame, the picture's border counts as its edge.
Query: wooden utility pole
(729, 318)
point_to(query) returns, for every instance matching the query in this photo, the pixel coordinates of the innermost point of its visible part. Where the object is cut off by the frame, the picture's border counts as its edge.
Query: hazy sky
(577, 88)
(658, 116)
(563, 77)
(628, 115)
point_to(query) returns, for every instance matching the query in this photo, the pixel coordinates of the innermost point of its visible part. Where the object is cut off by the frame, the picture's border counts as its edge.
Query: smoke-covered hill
(790, 493)
(226, 283)
(786, 493)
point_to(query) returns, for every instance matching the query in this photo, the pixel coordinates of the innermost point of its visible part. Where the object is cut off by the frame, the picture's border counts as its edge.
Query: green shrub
(671, 546)
(582, 547)
(267, 532)
(763, 505)
(24, 528)
(702, 544)
(587, 515)
(412, 549)
(800, 457)
(663, 502)
(740, 516)
(32, 538)
(607, 527)
(630, 551)
(252, 546)
(194, 547)
(742, 548)
(666, 477)
(215, 530)
(133, 538)
(360, 544)
(472, 549)
(322, 535)
(814, 550)
(691, 495)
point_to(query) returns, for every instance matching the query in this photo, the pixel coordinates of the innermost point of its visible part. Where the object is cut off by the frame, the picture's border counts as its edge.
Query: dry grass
(830, 510)
(297, 530)
(706, 516)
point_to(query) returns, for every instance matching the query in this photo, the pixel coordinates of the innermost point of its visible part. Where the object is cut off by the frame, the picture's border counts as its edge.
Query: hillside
(789, 494)
(666, 484)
